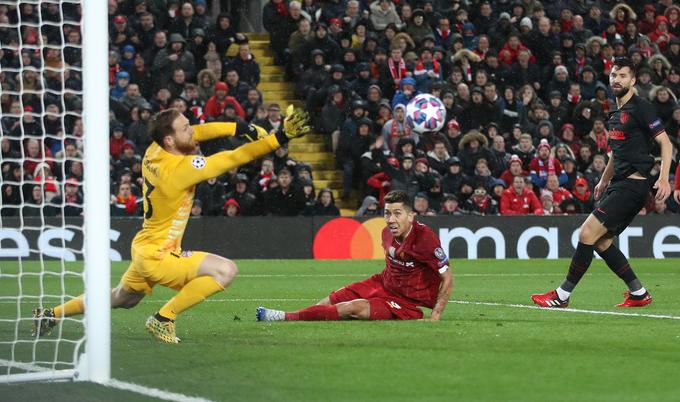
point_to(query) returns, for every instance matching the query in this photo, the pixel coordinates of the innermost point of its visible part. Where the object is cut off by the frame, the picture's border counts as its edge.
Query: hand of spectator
(291, 162)
(121, 38)
(386, 183)
(599, 190)
(677, 196)
(379, 142)
(113, 199)
(173, 57)
(347, 20)
(327, 67)
(240, 37)
(663, 189)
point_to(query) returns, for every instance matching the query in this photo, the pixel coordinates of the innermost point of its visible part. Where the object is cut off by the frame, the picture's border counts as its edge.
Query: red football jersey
(413, 266)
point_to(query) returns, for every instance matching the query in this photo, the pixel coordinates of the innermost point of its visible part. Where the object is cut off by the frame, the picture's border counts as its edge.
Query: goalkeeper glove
(296, 124)
(250, 132)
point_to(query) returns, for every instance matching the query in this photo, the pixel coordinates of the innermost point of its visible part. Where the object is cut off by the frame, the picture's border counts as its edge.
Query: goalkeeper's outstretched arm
(193, 169)
(210, 131)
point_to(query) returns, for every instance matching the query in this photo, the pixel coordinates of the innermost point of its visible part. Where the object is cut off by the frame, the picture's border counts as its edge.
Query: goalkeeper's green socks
(191, 294)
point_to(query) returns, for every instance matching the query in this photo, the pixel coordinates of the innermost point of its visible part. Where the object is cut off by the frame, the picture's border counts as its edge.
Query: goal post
(96, 363)
(46, 258)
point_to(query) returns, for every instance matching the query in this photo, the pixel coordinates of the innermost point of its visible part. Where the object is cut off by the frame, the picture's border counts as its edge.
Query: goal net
(54, 211)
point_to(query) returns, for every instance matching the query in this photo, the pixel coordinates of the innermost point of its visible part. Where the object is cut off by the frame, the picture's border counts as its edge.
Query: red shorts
(384, 305)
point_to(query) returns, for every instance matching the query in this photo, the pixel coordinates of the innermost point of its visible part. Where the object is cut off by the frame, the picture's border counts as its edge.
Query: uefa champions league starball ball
(425, 113)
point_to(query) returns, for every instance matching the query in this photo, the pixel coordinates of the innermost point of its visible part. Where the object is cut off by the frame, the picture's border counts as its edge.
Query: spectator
(184, 23)
(369, 207)
(125, 203)
(473, 146)
(544, 165)
(222, 33)
(216, 104)
(245, 199)
(211, 195)
(450, 206)
(515, 168)
(275, 18)
(232, 208)
(421, 205)
(481, 203)
(245, 65)
(284, 200)
(70, 203)
(274, 121)
(583, 196)
(383, 13)
(237, 88)
(172, 58)
(517, 200)
(324, 205)
(548, 204)
(405, 177)
(350, 150)
(122, 81)
(558, 193)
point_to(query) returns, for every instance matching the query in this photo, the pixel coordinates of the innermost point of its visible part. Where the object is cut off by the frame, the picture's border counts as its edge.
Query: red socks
(315, 313)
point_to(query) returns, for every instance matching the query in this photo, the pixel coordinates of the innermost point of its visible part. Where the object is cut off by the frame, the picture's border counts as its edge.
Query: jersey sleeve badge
(198, 162)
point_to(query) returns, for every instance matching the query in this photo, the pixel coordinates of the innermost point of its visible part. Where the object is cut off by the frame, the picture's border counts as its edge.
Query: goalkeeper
(171, 169)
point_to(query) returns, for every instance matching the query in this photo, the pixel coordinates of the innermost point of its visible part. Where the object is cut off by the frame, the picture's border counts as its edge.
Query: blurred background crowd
(525, 85)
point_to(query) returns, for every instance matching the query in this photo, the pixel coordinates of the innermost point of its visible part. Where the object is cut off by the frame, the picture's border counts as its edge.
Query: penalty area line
(152, 392)
(566, 310)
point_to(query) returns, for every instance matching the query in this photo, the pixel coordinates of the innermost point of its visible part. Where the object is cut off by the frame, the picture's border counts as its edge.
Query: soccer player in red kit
(416, 275)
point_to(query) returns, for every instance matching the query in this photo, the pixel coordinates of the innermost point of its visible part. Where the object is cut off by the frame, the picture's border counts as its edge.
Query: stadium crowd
(525, 85)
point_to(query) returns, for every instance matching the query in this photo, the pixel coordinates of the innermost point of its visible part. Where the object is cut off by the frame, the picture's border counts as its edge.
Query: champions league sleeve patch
(198, 162)
(656, 126)
(441, 256)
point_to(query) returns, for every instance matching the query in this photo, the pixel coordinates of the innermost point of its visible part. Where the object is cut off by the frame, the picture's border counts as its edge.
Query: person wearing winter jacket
(518, 200)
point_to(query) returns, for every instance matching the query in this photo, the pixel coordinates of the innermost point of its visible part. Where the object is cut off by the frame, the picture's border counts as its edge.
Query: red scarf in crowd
(397, 71)
(481, 203)
(130, 203)
(546, 167)
(281, 9)
(584, 197)
(395, 134)
(601, 141)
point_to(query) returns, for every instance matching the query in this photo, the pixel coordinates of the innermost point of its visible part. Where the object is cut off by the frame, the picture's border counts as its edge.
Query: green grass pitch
(477, 353)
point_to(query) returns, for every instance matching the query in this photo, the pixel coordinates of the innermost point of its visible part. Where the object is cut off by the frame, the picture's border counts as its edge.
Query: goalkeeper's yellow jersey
(170, 181)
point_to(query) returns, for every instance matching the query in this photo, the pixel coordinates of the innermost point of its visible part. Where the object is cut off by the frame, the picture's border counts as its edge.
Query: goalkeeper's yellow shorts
(173, 270)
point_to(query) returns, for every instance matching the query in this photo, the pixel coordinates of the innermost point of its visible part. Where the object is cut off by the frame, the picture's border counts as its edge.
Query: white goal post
(27, 280)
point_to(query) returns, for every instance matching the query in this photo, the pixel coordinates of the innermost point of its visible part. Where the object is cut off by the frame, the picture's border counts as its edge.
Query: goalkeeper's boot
(163, 331)
(266, 314)
(43, 321)
(635, 301)
(550, 299)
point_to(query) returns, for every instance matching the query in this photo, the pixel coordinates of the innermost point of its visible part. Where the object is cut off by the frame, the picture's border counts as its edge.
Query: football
(425, 113)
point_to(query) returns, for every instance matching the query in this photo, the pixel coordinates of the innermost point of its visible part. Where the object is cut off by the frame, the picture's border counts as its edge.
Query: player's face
(398, 218)
(621, 80)
(182, 137)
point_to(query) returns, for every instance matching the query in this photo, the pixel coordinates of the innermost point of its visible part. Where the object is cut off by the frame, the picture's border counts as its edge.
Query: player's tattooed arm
(445, 289)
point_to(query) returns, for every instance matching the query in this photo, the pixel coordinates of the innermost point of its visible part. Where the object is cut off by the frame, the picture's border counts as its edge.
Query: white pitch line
(153, 392)
(455, 274)
(566, 310)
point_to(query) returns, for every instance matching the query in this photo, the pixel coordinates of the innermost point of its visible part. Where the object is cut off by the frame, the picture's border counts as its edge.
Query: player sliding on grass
(416, 275)
(631, 130)
(171, 170)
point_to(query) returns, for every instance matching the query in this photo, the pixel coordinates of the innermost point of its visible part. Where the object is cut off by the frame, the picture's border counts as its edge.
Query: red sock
(315, 313)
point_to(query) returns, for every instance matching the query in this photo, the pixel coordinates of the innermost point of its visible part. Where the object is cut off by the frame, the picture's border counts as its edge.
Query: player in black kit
(624, 189)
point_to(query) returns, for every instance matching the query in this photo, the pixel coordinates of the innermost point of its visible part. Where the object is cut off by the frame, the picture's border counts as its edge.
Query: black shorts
(621, 203)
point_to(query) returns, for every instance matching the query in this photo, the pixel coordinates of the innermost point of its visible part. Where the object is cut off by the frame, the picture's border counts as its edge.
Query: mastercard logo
(345, 238)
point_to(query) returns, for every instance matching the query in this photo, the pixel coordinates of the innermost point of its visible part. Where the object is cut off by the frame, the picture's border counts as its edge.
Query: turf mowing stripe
(566, 310)
(153, 392)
